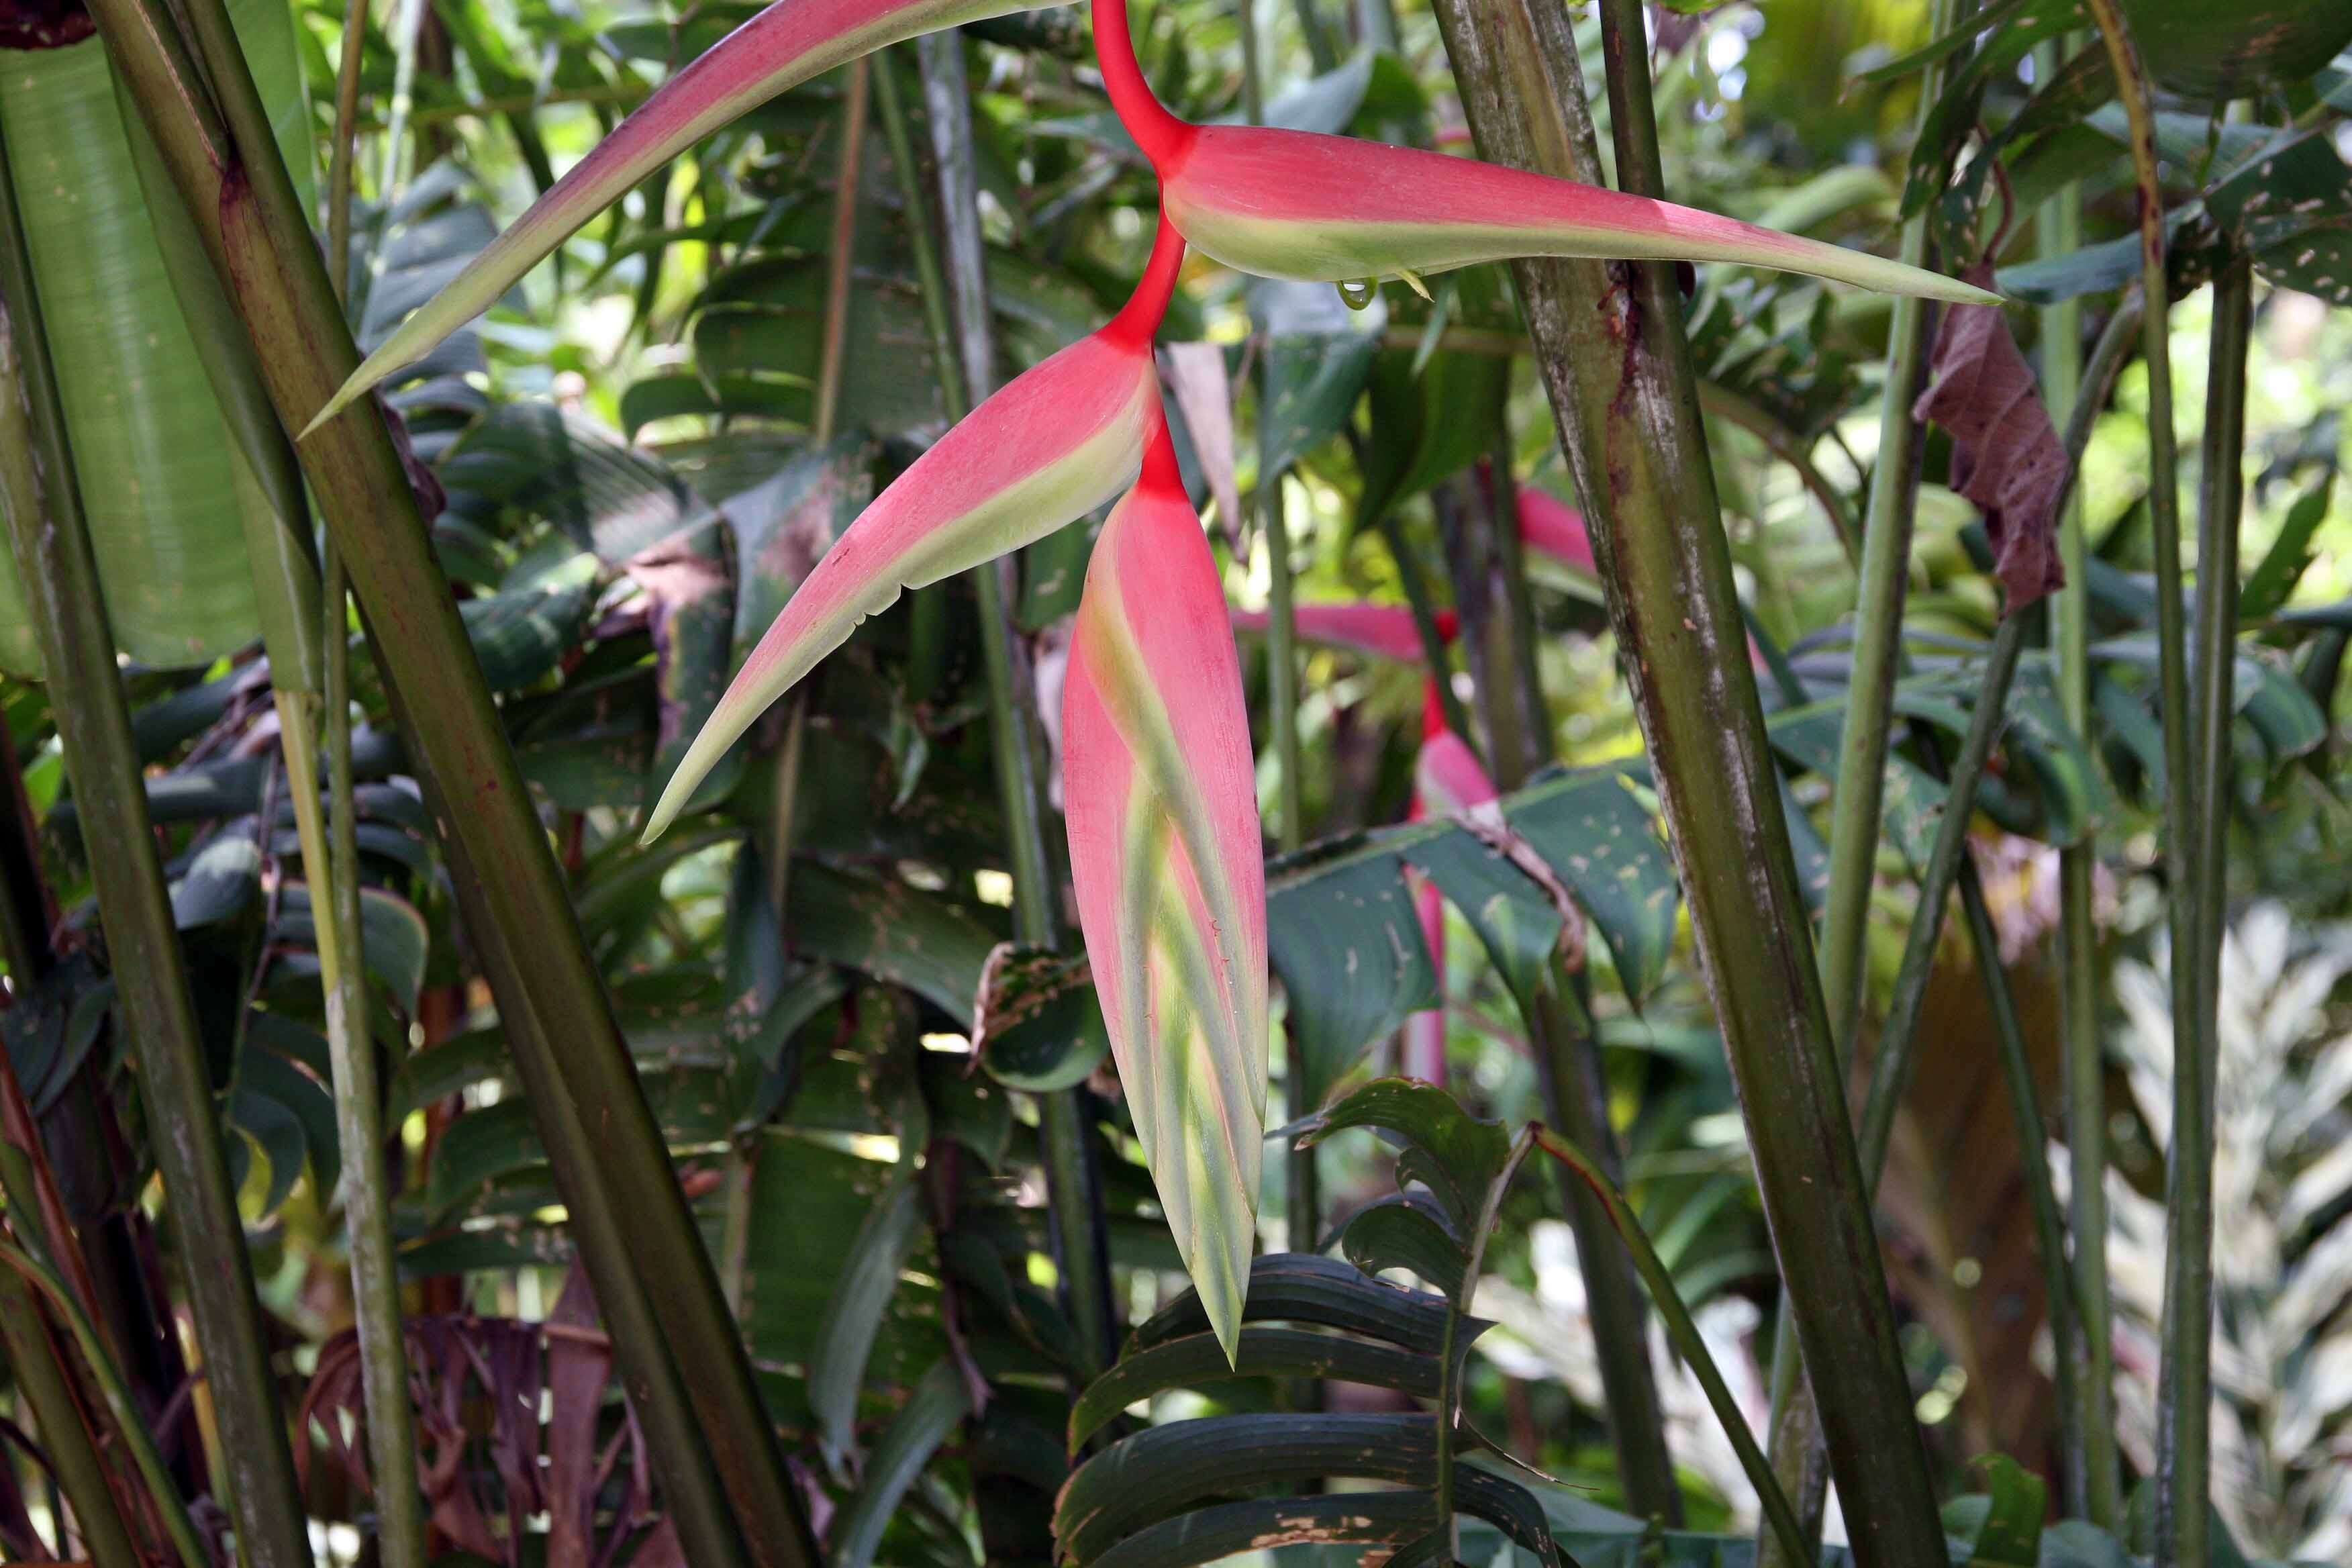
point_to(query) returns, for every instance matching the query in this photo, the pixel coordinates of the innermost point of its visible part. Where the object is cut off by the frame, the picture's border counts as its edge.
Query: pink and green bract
(791, 42)
(1167, 863)
(1334, 209)
(1051, 446)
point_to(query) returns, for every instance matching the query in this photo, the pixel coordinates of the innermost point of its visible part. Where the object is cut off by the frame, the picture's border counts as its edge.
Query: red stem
(1160, 474)
(1163, 138)
(1139, 319)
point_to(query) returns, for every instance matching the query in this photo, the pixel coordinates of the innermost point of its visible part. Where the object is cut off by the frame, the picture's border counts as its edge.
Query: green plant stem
(127, 1418)
(2095, 1489)
(55, 564)
(1568, 1061)
(1858, 801)
(330, 855)
(1073, 1185)
(1681, 1329)
(841, 263)
(2184, 1382)
(37, 1367)
(653, 1279)
(1434, 651)
(1450, 1358)
(340, 153)
(1302, 1193)
(1616, 365)
(2184, 1446)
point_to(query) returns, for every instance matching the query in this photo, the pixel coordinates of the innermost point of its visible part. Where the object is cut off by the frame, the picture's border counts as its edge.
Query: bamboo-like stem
(39, 1367)
(1857, 803)
(1891, 1067)
(1073, 1185)
(2096, 1489)
(1302, 1196)
(1681, 1329)
(341, 153)
(31, 1272)
(54, 561)
(1433, 650)
(1560, 1026)
(840, 265)
(653, 1279)
(409, 21)
(2184, 1447)
(2184, 1381)
(331, 857)
(335, 863)
(1616, 365)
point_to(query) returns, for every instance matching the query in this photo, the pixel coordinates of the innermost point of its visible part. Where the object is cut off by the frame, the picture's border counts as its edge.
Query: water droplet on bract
(1358, 293)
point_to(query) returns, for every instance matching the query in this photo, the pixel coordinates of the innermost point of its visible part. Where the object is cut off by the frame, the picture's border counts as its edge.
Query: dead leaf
(1196, 374)
(2006, 455)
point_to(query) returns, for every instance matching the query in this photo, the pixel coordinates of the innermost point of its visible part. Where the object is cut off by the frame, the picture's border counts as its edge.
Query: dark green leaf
(1263, 1352)
(1040, 1025)
(852, 1314)
(1230, 1529)
(1298, 1286)
(938, 1402)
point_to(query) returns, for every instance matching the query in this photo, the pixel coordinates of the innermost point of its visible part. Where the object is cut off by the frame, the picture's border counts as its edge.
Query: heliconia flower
(1336, 209)
(1169, 866)
(1556, 529)
(791, 42)
(1052, 445)
(1382, 631)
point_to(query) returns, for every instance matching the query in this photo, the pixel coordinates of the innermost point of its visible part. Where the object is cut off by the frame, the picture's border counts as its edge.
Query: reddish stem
(1139, 319)
(1163, 138)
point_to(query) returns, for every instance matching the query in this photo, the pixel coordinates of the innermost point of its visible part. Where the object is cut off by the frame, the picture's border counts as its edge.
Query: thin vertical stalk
(1681, 1329)
(332, 852)
(39, 1366)
(124, 1409)
(841, 266)
(341, 153)
(1567, 1044)
(2098, 1491)
(1073, 1185)
(55, 564)
(2184, 1449)
(1302, 1195)
(1858, 798)
(1616, 365)
(655, 1282)
(1434, 651)
(2184, 1382)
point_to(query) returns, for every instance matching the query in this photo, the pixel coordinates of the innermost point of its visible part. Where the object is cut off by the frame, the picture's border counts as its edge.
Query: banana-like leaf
(1334, 209)
(1169, 865)
(158, 476)
(791, 42)
(1054, 442)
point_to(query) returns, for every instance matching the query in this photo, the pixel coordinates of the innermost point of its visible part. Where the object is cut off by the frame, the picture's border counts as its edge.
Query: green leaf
(152, 453)
(1234, 1529)
(1299, 1287)
(1407, 1230)
(2290, 554)
(852, 1314)
(1468, 1154)
(1311, 383)
(892, 931)
(1155, 1473)
(938, 1402)
(1342, 935)
(1197, 1359)
(1039, 1026)
(2006, 1532)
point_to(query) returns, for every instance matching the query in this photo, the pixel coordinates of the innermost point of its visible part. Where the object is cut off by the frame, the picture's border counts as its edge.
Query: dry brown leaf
(2006, 455)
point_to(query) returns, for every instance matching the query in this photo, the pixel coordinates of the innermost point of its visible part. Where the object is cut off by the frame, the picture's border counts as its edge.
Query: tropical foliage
(928, 780)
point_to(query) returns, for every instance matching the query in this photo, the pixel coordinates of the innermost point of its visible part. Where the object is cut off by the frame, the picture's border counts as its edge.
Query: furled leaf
(2006, 455)
(1038, 1024)
(1263, 1352)
(1169, 865)
(1052, 445)
(1303, 1287)
(1332, 209)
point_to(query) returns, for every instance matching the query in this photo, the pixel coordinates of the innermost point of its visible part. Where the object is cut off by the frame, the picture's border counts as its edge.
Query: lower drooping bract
(1166, 859)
